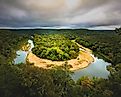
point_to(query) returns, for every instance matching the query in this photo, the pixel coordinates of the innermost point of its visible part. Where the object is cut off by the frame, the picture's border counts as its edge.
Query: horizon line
(65, 27)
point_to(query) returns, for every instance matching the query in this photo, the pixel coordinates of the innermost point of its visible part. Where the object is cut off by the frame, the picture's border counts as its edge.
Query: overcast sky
(60, 13)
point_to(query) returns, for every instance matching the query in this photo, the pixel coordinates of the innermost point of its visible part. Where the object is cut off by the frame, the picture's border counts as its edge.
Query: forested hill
(38, 31)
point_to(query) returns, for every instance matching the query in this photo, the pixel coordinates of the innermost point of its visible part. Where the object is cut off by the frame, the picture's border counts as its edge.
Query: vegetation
(54, 47)
(104, 45)
(9, 43)
(25, 80)
(118, 31)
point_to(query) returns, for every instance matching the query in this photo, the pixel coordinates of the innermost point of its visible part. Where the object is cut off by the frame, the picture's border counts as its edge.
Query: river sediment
(83, 60)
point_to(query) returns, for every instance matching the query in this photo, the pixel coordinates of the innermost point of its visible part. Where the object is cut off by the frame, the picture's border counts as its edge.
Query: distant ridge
(56, 27)
(52, 28)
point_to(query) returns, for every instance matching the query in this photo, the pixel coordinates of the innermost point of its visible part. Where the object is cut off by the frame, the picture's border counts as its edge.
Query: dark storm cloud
(79, 13)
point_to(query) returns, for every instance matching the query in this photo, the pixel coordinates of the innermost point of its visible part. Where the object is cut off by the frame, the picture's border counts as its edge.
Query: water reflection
(21, 55)
(31, 44)
(96, 69)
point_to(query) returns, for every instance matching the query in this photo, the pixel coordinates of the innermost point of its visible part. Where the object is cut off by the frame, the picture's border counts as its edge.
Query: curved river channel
(95, 69)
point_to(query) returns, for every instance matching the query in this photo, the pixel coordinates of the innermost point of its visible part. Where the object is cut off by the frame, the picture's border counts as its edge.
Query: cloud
(77, 13)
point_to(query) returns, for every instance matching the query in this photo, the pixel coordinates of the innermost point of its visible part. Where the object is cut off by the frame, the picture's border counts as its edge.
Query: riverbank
(83, 60)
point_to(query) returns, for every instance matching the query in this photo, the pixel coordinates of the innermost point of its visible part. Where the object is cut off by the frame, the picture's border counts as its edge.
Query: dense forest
(25, 80)
(10, 42)
(104, 45)
(54, 47)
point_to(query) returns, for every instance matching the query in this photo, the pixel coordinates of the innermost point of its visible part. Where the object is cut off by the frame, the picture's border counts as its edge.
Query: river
(21, 55)
(95, 69)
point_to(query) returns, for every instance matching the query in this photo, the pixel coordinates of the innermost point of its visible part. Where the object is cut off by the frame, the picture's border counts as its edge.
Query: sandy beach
(83, 60)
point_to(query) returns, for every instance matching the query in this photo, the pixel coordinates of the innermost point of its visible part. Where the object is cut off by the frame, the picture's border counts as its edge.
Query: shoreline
(83, 60)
